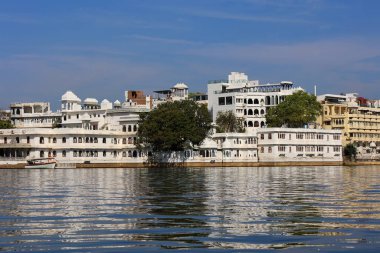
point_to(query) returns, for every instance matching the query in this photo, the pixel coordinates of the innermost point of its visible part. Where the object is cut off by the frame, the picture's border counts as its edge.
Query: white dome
(70, 96)
(209, 143)
(91, 101)
(117, 103)
(180, 86)
(105, 101)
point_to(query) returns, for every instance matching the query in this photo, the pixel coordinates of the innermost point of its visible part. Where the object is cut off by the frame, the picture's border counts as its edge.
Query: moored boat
(41, 163)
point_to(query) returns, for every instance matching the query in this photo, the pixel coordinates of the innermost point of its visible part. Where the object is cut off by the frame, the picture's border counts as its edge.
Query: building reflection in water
(223, 208)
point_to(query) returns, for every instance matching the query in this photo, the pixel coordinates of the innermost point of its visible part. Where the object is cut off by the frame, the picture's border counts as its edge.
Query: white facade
(299, 144)
(68, 145)
(29, 115)
(247, 99)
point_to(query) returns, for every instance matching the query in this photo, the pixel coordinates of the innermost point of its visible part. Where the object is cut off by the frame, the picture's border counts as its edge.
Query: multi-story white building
(30, 115)
(105, 132)
(299, 144)
(247, 99)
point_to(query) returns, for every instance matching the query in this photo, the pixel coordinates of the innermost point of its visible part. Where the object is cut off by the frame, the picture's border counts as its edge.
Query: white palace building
(103, 134)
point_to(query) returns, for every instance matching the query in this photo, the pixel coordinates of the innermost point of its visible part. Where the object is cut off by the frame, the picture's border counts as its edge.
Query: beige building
(358, 119)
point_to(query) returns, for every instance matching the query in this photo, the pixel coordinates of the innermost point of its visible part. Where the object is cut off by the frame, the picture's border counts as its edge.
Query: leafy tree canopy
(172, 125)
(227, 122)
(5, 124)
(350, 150)
(295, 111)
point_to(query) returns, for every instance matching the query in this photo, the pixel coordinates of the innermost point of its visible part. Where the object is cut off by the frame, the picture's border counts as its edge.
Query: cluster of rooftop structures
(105, 132)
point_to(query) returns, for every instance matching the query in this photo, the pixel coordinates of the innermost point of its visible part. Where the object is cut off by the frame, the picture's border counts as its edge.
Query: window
(299, 136)
(222, 101)
(336, 137)
(79, 139)
(17, 139)
(54, 140)
(64, 140)
(228, 100)
(64, 153)
(27, 139)
(5, 140)
(75, 140)
(124, 129)
(262, 150)
(104, 153)
(269, 149)
(299, 148)
(129, 128)
(281, 148)
(104, 140)
(42, 153)
(269, 136)
(54, 153)
(42, 141)
(262, 136)
(134, 128)
(124, 154)
(124, 141)
(95, 139)
(281, 136)
(336, 149)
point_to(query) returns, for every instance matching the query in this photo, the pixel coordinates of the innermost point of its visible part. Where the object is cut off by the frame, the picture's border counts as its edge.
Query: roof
(90, 101)
(70, 96)
(180, 86)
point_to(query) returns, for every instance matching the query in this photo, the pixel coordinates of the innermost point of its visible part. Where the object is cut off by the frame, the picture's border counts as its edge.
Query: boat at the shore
(41, 163)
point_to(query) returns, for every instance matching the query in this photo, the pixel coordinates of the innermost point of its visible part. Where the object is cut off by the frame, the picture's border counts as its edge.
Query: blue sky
(102, 48)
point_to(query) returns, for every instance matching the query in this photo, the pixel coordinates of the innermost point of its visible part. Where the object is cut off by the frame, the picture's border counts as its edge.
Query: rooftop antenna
(315, 90)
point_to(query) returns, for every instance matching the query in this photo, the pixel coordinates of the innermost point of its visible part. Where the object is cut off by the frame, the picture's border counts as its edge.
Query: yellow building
(360, 125)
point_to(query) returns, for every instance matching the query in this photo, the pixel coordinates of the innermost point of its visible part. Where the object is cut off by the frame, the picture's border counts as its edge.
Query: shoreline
(205, 164)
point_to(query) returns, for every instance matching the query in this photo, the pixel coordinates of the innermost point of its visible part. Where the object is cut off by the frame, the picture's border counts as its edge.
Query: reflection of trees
(175, 198)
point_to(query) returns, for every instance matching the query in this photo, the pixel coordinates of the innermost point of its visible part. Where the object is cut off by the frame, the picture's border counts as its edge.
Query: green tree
(5, 124)
(173, 125)
(295, 111)
(227, 122)
(350, 150)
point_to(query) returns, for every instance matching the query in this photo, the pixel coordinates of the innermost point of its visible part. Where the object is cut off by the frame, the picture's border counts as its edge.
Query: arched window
(262, 112)
(267, 100)
(256, 124)
(87, 140)
(129, 153)
(124, 154)
(250, 112)
(75, 140)
(124, 128)
(262, 124)
(64, 153)
(104, 153)
(54, 140)
(27, 139)
(96, 140)
(250, 101)
(124, 141)
(42, 153)
(134, 128)
(42, 140)
(64, 140)
(17, 139)
(79, 139)
(129, 128)
(256, 112)
(245, 111)
(104, 140)
(250, 124)
(134, 153)
(256, 101)
(245, 100)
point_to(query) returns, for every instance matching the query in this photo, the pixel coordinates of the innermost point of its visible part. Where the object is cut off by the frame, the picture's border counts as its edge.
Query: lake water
(296, 209)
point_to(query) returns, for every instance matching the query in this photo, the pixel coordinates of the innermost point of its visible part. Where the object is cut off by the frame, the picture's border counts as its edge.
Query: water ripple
(295, 209)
